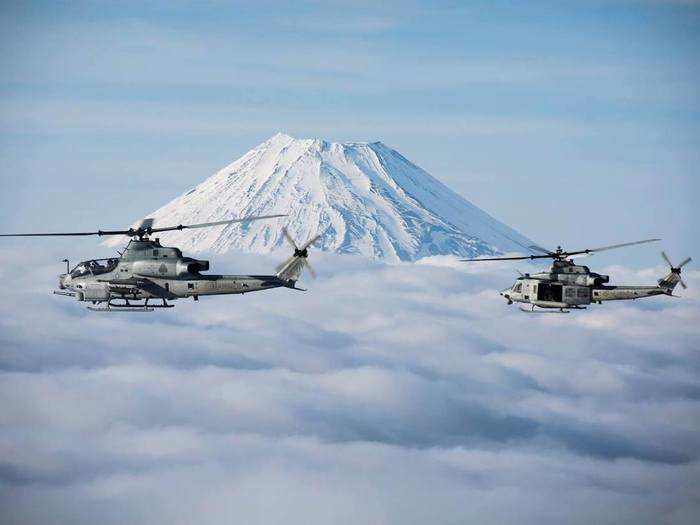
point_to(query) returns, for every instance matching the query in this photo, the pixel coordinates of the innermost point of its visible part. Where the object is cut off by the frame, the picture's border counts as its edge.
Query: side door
(569, 294)
(583, 295)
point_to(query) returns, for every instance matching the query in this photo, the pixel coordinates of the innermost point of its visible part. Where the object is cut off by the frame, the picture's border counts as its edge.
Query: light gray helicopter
(146, 275)
(568, 286)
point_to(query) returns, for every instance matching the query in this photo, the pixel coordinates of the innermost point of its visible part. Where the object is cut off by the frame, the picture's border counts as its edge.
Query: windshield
(94, 267)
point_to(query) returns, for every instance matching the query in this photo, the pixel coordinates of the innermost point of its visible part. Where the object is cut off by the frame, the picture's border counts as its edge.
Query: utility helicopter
(568, 286)
(147, 275)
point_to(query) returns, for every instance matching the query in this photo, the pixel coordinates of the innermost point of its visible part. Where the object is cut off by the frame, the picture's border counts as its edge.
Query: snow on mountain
(365, 198)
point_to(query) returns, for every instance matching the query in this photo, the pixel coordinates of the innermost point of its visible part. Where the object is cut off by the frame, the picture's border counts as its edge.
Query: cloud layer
(386, 394)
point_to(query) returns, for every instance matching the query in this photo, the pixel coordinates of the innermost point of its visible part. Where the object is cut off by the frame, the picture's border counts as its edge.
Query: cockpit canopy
(94, 267)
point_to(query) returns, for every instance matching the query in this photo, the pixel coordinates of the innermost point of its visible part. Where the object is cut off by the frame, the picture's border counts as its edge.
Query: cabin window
(190, 286)
(155, 253)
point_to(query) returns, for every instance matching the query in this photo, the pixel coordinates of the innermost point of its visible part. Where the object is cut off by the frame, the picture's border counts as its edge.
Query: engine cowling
(188, 266)
(596, 279)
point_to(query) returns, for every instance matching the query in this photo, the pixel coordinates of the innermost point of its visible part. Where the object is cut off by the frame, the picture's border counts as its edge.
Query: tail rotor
(293, 266)
(676, 270)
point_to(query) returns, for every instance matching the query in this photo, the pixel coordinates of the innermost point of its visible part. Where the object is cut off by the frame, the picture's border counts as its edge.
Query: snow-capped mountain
(365, 198)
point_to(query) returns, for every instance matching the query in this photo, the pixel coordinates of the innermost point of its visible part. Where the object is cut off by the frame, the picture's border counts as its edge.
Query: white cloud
(386, 394)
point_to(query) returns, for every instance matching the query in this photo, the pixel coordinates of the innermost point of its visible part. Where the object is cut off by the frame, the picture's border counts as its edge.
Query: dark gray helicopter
(568, 286)
(147, 274)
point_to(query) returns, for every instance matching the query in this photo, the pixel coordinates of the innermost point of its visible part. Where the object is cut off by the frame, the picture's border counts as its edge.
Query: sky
(574, 122)
(405, 393)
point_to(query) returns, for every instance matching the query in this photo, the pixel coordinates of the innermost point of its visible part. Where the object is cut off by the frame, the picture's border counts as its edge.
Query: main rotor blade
(668, 261)
(536, 248)
(509, 258)
(71, 234)
(210, 224)
(681, 265)
(145, 224)
(611, 247)
(143, 228)
(683, 284)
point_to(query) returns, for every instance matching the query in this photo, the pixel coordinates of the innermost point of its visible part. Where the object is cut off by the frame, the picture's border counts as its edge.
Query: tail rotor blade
(668, 261)
(289, 238)
(686, 261)
(312, 272)
(279, 267)
(311, 241)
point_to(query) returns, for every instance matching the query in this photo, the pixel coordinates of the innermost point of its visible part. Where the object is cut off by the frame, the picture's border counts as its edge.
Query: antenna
(67, 265)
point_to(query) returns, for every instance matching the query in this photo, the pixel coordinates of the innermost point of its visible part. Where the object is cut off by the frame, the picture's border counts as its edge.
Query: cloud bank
(386, 394)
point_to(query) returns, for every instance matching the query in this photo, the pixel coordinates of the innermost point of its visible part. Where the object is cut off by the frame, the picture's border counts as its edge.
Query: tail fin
(290, 270)
(669, 282)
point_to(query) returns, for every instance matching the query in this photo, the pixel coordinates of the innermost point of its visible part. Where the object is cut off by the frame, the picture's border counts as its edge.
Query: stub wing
(141, 283)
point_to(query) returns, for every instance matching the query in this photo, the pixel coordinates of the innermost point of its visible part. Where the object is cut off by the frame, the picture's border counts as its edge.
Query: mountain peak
(279, 137)
(363, 197)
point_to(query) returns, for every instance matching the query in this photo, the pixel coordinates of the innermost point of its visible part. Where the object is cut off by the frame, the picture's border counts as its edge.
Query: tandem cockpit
(86, 268)
(94, 267)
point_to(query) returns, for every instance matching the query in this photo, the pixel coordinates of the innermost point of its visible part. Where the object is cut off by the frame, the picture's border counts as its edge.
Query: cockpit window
(518, 288)
(94, 267)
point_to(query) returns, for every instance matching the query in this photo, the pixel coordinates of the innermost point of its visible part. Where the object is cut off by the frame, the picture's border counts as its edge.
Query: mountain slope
(365, 197)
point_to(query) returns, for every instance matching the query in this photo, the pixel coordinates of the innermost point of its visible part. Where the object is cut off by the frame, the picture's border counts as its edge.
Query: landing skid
(126, 306)
(135, 308)
(541, 310)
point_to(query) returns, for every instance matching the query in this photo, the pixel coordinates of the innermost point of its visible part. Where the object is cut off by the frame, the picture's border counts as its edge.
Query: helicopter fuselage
(147, 270)
(567, 285)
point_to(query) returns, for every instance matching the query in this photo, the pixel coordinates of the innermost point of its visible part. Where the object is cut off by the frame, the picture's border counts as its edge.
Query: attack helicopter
(147, 275)
(569, 286)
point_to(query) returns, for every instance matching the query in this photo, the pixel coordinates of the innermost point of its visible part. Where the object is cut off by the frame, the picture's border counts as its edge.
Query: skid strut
(127, 306)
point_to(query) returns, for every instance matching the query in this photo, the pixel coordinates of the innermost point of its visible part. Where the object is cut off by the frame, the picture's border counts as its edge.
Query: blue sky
(572, 121)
